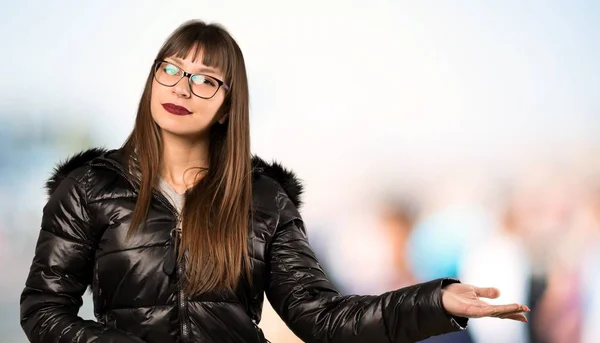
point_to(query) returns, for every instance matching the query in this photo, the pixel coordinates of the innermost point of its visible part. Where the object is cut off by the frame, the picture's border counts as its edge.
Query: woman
(180, 232)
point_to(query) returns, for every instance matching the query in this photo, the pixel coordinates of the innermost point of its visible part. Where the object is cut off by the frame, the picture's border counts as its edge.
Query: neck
(182, 157)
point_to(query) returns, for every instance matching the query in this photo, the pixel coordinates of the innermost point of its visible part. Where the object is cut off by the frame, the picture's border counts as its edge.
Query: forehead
(194, 66)
(200, 56)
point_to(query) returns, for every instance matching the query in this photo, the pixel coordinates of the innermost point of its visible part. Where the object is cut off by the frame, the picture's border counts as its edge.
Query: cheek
(157, 96)
(207, 107)
(153, 95)
(159, 91)
(154, 110)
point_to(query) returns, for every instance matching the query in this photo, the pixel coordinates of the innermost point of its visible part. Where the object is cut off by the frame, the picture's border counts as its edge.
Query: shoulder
(273, 179)
(276, 189)
(76, 169)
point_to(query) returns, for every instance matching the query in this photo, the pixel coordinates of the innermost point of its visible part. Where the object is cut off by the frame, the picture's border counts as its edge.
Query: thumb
(487, 292)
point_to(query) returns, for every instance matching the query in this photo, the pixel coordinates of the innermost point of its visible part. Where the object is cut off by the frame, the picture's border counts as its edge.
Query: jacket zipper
(259, 333)
(183, 317)
(182, 303)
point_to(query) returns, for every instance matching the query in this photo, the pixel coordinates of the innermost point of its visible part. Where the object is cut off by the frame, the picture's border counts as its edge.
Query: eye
(171, 69)
(204, 80)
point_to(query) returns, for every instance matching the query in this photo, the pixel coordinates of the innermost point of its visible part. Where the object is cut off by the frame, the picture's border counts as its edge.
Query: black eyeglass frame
(220, 83)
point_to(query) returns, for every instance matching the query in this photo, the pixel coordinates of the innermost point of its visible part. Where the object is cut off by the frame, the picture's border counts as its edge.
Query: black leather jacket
(134, 283)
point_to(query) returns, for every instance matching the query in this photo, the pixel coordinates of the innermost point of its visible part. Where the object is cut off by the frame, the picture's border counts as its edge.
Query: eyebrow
(201, 70)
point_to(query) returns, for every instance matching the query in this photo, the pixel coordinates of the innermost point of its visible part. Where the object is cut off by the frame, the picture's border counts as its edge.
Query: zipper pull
(171, 259)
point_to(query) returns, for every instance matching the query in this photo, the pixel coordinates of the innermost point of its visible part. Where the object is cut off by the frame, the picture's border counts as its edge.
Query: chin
(184, 126)
(182, 129)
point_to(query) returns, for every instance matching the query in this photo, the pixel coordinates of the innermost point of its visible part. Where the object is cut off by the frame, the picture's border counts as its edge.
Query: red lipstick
(176, 109)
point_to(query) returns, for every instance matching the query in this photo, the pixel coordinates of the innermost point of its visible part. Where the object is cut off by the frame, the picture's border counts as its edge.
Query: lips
(176, 109)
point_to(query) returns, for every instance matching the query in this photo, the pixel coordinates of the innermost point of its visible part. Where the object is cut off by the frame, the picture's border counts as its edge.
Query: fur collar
(285, 177)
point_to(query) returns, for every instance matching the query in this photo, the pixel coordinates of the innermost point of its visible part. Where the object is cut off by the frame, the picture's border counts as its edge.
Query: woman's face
(176, 109)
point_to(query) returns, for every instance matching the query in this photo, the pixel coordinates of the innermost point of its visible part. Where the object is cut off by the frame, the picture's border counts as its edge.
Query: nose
(182, 88)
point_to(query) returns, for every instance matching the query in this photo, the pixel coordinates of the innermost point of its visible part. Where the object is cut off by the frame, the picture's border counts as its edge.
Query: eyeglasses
(202, 86)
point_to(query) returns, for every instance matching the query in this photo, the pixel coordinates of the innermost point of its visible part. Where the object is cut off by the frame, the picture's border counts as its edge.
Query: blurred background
(455, 138)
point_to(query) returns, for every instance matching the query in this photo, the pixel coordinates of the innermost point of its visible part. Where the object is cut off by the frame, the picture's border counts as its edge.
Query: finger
(505, 314)
(521, 309)
(487, 292)
(502, 310)
(518, 317)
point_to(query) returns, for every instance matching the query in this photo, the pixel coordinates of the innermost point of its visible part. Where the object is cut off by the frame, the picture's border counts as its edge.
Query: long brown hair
(216, 210)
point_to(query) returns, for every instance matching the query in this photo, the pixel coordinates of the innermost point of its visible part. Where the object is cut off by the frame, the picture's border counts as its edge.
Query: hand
(463, 300)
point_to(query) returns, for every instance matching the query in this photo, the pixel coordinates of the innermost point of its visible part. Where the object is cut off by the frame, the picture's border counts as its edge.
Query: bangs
(201, 41)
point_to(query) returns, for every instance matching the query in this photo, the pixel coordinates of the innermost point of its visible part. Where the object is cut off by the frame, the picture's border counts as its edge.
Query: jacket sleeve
(61, 271)
(315, 311)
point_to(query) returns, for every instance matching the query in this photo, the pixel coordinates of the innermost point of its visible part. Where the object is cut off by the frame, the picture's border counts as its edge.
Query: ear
(223, 118)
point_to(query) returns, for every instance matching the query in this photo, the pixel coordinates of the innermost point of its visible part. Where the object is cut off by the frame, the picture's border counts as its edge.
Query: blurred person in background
(501, 258)
(532, 256)
(436, 245)
(382, 235)
(398, 218)
(543, 205)
(159, 229)
(569, 309)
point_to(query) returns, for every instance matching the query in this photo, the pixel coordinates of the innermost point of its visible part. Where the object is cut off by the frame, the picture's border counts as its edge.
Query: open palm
(464, 300)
